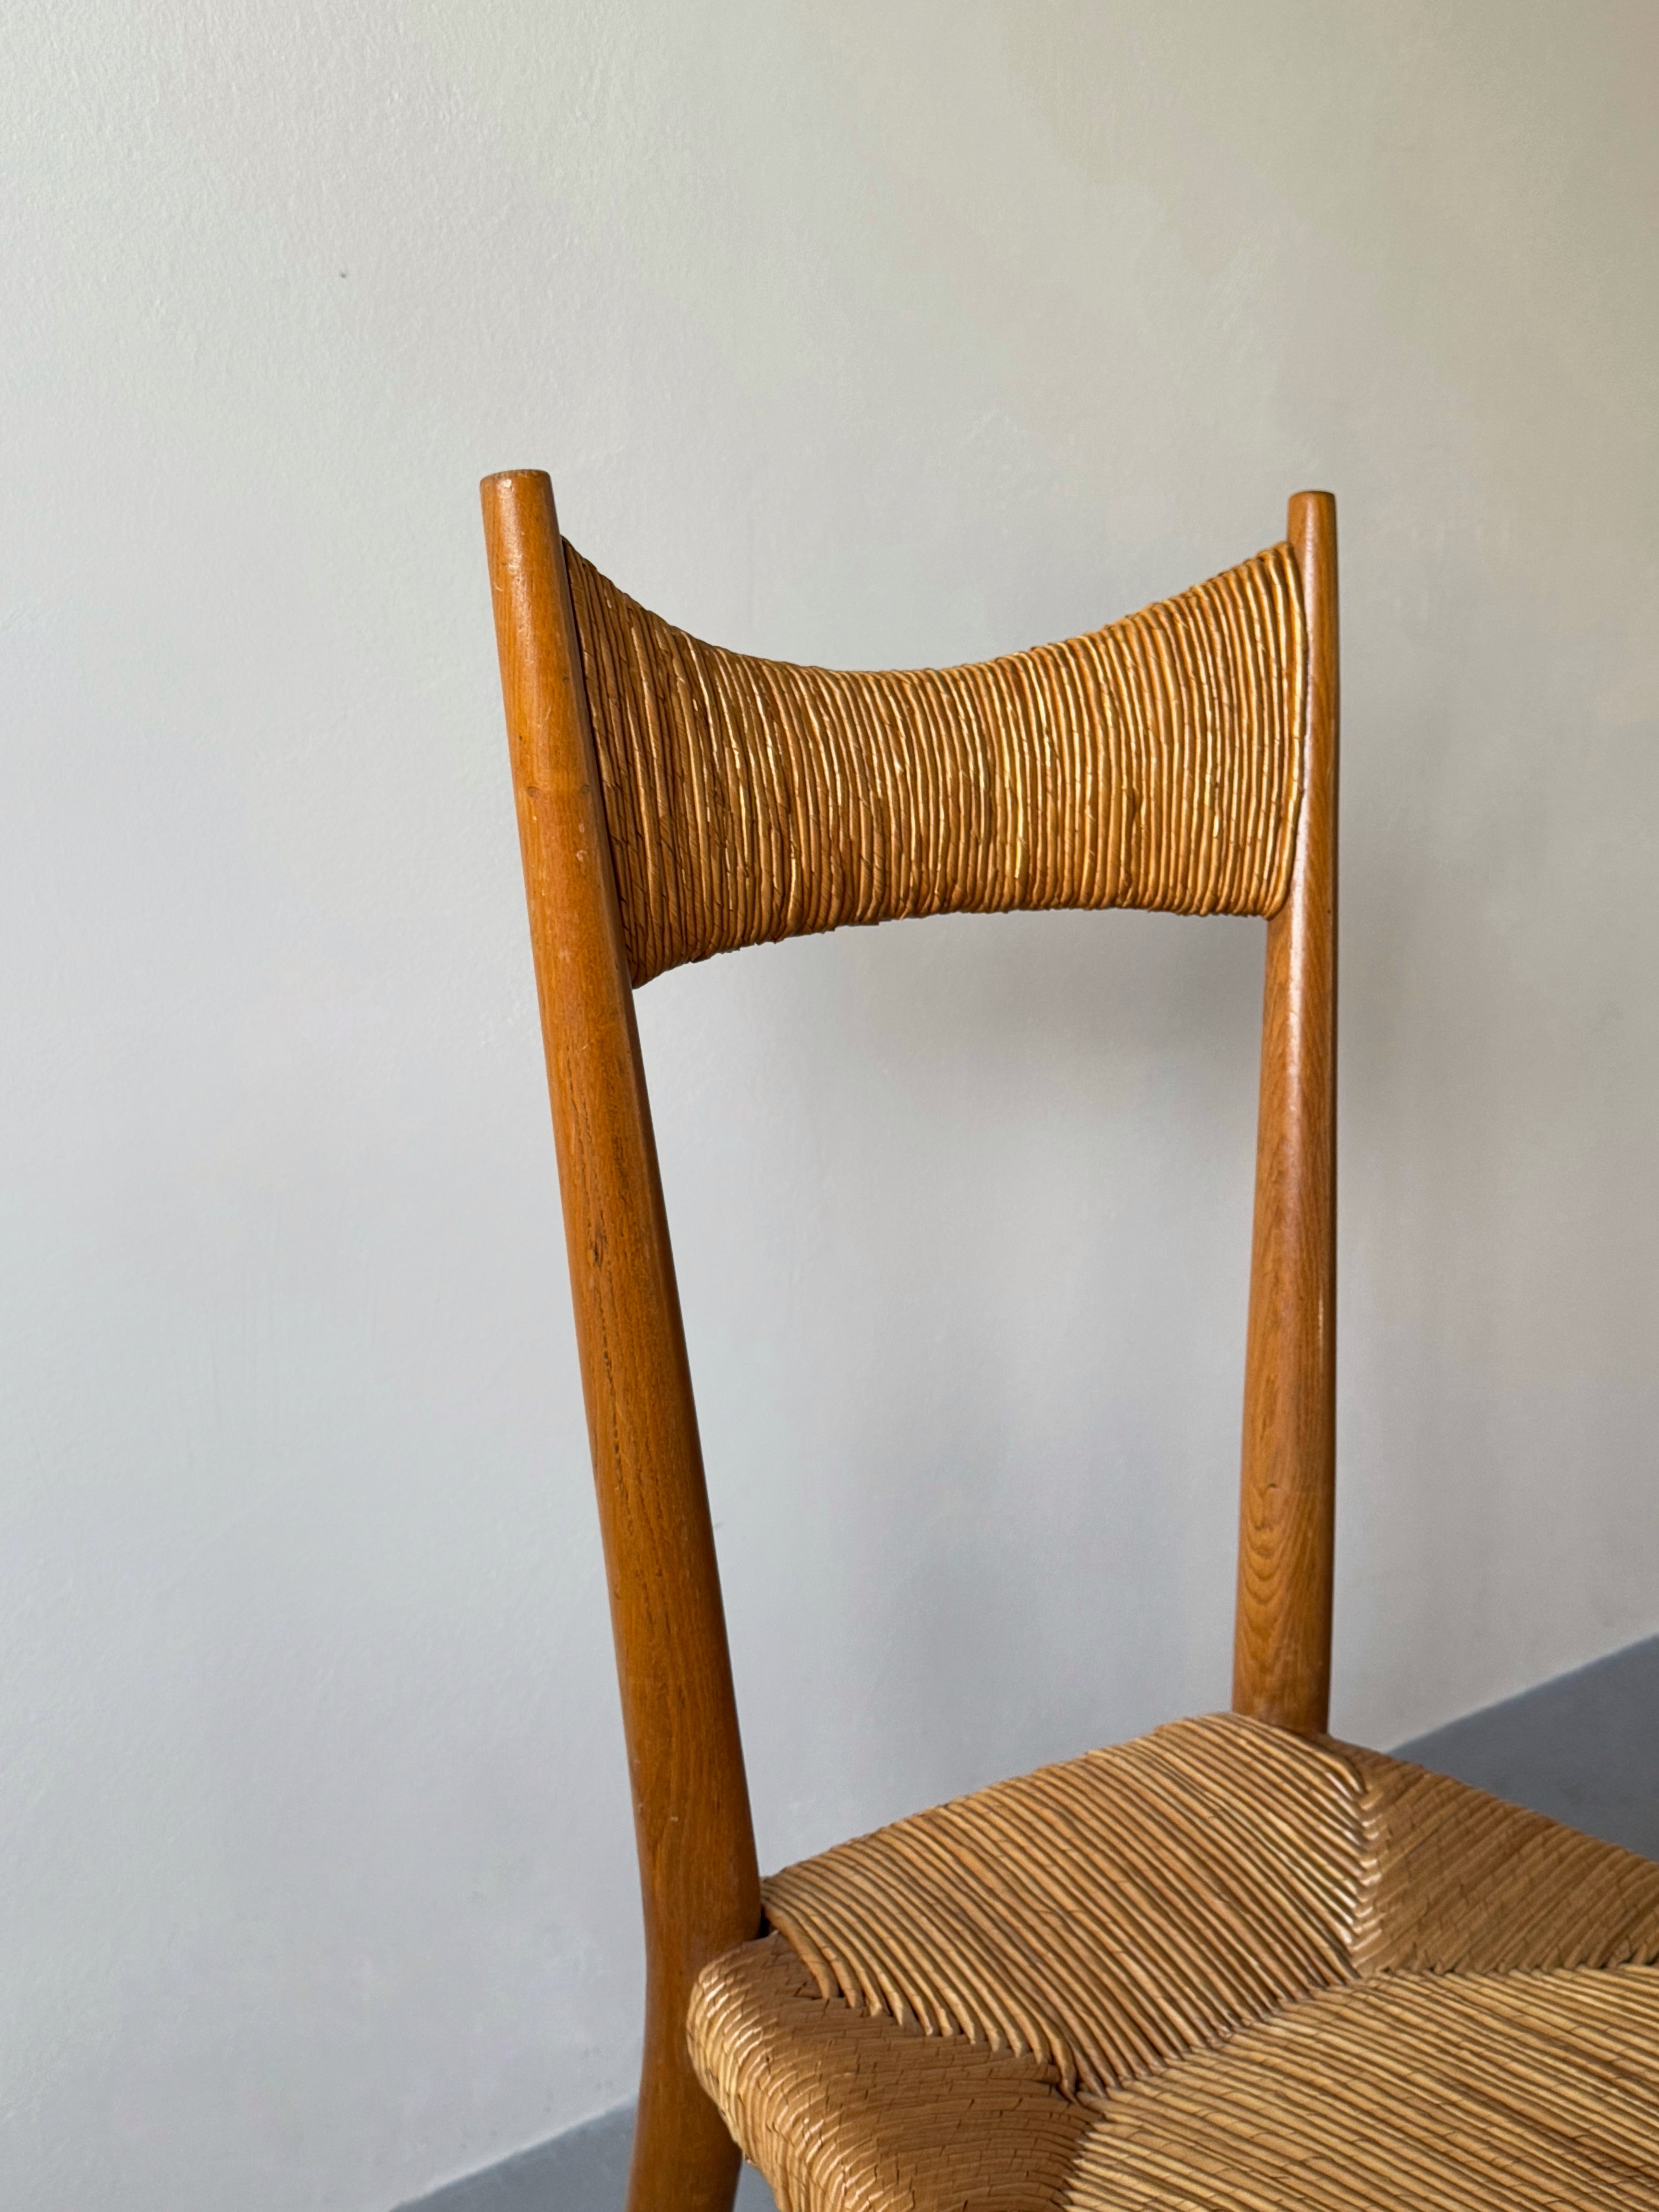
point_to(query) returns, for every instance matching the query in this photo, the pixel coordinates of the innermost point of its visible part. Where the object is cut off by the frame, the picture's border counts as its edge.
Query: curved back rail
(675, 800)
(1156, 763)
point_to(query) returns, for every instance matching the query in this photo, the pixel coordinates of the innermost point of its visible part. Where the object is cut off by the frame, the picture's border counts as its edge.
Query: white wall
(863, 333)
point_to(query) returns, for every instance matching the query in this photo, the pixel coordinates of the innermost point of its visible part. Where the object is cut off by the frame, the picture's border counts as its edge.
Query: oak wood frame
(699, 1878)
(1287, 1489)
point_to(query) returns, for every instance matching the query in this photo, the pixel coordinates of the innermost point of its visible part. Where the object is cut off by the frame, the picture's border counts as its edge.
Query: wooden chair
(1233, 1963)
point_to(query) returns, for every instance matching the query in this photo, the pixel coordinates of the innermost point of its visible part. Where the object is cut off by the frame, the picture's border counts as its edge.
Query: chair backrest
(675, 801)
(1157, 763)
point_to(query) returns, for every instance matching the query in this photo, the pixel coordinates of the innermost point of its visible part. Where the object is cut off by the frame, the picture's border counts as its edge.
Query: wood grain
(1287, 1507)
(698, 1874)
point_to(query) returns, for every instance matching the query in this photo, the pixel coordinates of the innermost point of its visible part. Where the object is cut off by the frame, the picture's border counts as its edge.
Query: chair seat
(1219, 1966)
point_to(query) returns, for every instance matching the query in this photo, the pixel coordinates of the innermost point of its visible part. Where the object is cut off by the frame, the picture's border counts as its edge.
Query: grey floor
(1583, 1748)
(583, 2171)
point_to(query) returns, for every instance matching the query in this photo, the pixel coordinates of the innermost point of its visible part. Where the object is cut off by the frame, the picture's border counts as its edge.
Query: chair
(1235, 1963)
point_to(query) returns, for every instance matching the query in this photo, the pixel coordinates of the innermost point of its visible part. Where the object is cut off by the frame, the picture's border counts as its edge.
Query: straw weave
(1219, 1966)
(1516, 2092)
(1105, 1915)
(850, 2112)
(1156, 763)
(1457, 1882)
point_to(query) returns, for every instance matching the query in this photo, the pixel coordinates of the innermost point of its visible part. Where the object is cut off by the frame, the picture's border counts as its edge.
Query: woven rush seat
(1223, 1967)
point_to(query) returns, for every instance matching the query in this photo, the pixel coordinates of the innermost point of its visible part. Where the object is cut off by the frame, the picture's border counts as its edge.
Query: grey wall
(859, 333)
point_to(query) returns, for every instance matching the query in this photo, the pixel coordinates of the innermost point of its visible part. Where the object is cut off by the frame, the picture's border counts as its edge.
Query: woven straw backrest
(1156, 763)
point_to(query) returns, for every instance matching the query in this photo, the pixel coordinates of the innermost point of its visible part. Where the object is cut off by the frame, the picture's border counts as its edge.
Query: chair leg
(684, 2161)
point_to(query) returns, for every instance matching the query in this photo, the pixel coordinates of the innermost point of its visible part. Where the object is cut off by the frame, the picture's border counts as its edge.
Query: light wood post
(1282, 1633)
(697, 1870)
